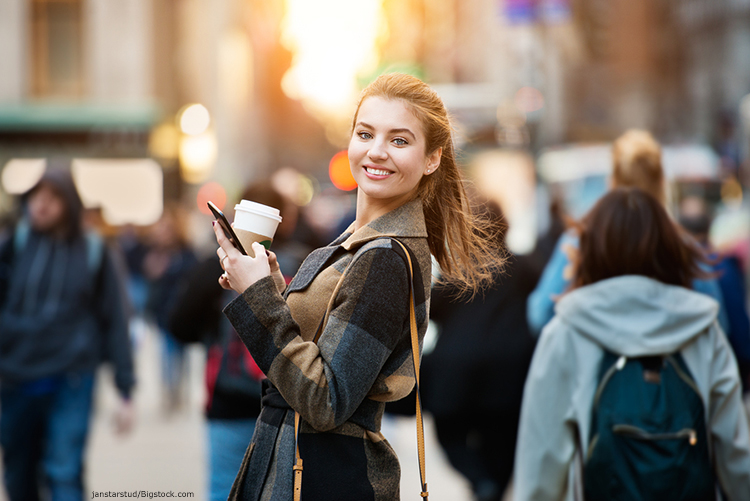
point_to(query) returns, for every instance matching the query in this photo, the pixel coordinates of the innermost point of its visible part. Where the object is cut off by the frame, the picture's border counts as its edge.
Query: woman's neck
(369, 209)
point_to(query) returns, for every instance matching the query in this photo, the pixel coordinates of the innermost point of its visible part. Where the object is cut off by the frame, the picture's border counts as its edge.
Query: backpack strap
(415, 357)
(20, 236)
(94, 251)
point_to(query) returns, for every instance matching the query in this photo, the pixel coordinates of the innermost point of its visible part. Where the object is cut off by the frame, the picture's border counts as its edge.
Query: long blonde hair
(460, 239)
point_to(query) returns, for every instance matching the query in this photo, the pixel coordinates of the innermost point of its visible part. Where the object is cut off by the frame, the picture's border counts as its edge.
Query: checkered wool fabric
(339, 385)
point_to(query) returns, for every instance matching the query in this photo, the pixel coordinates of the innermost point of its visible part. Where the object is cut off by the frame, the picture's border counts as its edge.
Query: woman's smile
(376, 172)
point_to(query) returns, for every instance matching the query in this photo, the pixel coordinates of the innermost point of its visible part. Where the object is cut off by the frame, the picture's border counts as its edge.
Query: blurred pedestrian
(355, 294)
(633, 379)
(233, 379)
(694, 217)
(473, 379)
(637, 163)
(63, 312)
(165, 266)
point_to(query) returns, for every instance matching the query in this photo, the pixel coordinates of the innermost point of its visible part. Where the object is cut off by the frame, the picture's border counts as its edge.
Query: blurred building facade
(76, 76)
(103, 79)
(668, 65)
(97, 78)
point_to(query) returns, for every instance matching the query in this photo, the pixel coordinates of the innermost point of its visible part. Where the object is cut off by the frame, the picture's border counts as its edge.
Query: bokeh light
(21, 174)
(164, 140)
(213, 192)
(294, 185)
(340, 172)
(128, 191)
(529, 99)
(194, 119)
(197, 157)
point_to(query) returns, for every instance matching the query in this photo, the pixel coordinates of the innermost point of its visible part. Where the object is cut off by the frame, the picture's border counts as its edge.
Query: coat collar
(407, 221)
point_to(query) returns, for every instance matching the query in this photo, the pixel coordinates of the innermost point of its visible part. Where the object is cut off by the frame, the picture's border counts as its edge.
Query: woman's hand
(240, 271)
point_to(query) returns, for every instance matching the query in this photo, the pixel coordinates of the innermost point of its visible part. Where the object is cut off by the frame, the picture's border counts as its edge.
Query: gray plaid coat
(339, 386)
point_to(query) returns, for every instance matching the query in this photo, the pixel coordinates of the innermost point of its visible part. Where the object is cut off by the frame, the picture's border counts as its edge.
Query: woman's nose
(378, 151)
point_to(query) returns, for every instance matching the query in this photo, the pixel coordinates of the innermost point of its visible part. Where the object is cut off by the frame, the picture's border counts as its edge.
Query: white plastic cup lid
(259, 209)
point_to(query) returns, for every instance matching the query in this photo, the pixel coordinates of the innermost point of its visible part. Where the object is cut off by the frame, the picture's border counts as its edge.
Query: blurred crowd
(70, 287)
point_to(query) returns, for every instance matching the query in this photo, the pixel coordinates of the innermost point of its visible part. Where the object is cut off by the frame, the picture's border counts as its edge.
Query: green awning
(76, 117)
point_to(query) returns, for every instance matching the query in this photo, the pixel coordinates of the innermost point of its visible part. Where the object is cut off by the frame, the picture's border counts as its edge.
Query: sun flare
(332, 41)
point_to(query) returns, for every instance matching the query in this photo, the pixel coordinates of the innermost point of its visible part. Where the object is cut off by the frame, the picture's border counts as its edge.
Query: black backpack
(648, 437)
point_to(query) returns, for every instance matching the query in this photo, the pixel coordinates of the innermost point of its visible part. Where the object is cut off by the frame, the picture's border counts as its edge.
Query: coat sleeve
(710, 287)
(728, 423)
(547, 433)
(326, 382)
(540, 306)
(113, 312)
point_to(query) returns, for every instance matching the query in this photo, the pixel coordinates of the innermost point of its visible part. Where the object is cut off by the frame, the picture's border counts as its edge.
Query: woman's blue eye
(400, 141)
(364, 135)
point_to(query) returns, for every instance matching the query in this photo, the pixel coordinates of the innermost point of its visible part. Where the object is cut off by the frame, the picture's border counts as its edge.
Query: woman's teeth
(377, 172)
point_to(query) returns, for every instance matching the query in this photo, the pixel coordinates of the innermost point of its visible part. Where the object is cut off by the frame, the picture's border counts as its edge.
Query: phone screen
(224, 223)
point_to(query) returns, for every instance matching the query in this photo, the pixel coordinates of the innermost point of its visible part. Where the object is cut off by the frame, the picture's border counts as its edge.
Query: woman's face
(387, 152)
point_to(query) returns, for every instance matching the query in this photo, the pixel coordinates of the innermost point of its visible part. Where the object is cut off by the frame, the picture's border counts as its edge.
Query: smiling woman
(414, 124)
(336, 344)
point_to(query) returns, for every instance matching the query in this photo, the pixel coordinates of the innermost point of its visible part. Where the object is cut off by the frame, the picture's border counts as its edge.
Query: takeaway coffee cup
(254, 222)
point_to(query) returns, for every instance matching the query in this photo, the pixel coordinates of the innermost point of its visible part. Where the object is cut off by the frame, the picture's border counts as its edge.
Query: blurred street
(126, 127)
(165, 452)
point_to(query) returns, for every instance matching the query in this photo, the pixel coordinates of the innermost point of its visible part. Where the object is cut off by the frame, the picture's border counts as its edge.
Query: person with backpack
(633, 391)
(636, 162)
(63, 311)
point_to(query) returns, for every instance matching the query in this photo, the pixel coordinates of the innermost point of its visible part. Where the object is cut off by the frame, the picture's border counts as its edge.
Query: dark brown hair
(628, 232)
(460, 239)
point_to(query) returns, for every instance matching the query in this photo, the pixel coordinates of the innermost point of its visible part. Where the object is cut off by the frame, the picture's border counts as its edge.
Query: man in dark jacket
(62, 312)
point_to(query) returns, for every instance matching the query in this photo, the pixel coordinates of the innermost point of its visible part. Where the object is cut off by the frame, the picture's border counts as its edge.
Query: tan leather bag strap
(297, 461)
(415, 358)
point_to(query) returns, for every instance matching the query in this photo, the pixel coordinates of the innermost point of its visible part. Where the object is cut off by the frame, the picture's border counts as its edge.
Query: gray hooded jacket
(59, 313)
(632, 316)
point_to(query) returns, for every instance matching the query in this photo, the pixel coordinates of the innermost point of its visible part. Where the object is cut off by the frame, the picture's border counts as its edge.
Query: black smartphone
(228, 231)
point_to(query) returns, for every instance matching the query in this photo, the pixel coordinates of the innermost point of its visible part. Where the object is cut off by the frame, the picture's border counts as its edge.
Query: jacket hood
(637, 316)
(59, 177)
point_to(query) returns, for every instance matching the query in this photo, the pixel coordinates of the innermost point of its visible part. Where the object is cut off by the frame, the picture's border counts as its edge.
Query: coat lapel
(405, 222)
(313, 264)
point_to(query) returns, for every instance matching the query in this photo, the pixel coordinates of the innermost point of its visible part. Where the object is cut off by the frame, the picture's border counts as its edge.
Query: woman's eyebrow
(401, 131)
(392, 131)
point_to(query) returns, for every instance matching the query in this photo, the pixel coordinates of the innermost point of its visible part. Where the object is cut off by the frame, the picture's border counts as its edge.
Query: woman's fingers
(273, 263)
(261, 252)
(240, 271)
(223, 241)
(224, 282)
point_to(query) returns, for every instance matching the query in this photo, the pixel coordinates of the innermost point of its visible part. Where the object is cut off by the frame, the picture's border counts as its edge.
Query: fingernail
(213, 223)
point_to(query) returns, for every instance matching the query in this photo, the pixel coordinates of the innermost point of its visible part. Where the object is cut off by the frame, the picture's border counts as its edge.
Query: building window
(57, 48)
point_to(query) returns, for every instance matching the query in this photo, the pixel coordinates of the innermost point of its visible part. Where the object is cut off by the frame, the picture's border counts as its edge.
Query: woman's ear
(433, 161)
